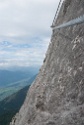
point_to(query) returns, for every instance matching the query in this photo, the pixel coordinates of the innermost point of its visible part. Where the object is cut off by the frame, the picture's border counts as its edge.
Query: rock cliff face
(57, 95)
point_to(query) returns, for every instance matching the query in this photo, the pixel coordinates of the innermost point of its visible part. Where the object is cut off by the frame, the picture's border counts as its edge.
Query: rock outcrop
(57, 95)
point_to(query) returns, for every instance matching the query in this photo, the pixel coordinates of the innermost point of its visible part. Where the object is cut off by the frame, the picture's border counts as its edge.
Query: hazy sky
(25, 31)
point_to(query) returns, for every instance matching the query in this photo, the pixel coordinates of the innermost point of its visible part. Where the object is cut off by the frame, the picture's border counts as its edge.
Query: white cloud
(25, 22)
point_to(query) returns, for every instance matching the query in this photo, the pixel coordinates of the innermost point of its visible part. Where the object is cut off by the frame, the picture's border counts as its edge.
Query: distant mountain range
(14, 87)
(8, 77)
(11, 105)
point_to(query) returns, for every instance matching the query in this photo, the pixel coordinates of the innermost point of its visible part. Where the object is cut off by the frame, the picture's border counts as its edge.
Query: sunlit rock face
(57, 95)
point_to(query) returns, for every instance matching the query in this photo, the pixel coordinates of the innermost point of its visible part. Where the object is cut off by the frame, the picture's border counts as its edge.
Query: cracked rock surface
(57, 95)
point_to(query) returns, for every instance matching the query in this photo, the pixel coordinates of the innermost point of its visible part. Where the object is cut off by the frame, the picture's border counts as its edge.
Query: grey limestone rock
(57, 95)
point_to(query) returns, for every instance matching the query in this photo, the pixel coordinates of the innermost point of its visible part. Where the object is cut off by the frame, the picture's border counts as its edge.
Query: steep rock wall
(57, 95)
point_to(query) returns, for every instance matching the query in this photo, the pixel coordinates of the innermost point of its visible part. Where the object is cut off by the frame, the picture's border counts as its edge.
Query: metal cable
(70, 23)
(75, 21)
(57, 12)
